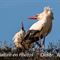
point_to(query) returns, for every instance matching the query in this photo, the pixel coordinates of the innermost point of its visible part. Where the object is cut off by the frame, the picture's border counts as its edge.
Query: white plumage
(17, 39)
(38, 25)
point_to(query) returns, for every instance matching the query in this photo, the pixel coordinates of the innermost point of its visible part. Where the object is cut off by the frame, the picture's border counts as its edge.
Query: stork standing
(40, 29)
(17, 39)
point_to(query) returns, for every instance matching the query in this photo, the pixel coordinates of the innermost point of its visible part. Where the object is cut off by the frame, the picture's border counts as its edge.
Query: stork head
(47, 12)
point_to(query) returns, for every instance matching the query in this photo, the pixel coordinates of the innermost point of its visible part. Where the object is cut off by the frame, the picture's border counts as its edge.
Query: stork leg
(43, 42)
(38, 44)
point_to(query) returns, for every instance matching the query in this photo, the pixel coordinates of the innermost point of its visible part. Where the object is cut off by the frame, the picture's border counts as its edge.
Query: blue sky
(12, 12)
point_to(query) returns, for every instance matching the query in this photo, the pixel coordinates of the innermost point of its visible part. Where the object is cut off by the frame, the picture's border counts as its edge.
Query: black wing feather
(30, 34)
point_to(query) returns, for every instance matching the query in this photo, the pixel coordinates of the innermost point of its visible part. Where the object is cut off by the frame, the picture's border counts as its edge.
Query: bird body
(45, 25)
(17, 39)
(18, 36)
(42, 27)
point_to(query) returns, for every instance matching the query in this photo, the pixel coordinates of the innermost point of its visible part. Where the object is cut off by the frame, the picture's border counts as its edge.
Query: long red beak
(33, 17)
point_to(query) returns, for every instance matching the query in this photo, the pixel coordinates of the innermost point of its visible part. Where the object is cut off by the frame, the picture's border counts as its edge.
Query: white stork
(40, 29)
(17, 39)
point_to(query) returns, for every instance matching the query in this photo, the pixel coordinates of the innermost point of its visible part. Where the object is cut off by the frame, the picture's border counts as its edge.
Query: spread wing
(31, 34)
